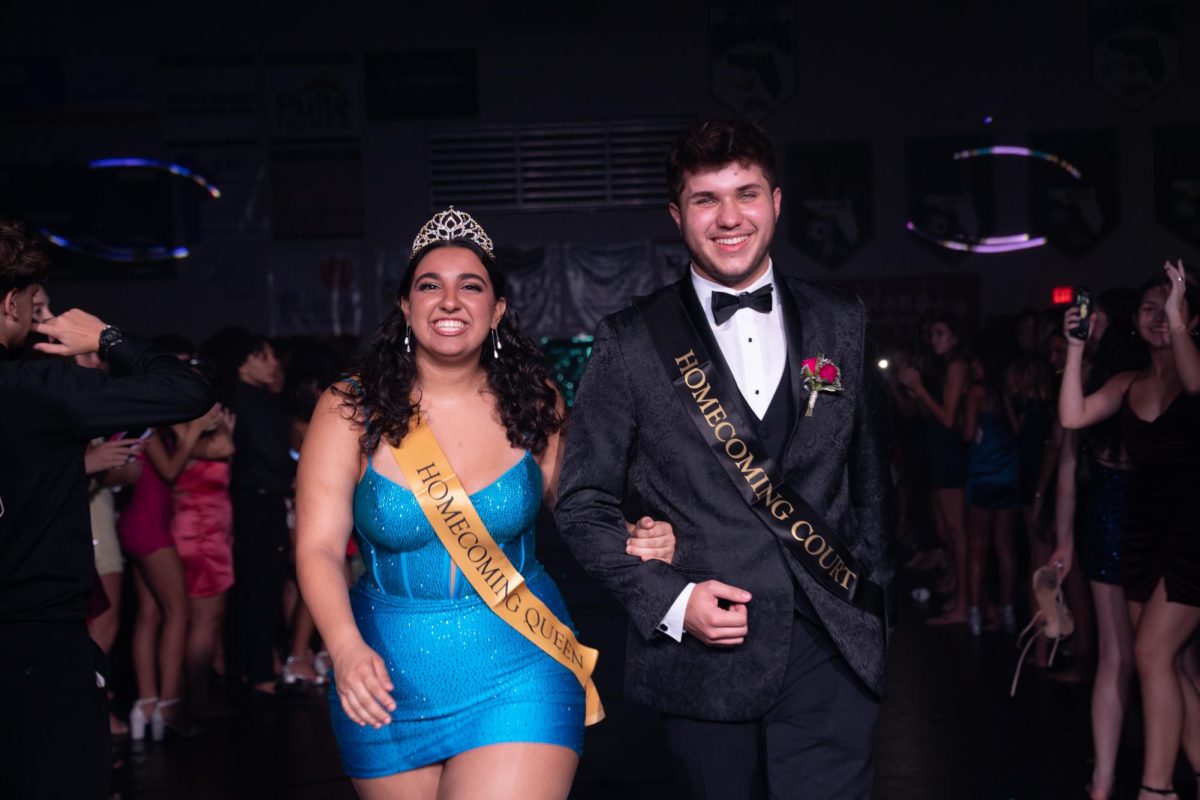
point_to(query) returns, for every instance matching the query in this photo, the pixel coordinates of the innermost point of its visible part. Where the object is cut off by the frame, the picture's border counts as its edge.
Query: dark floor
(947, 730)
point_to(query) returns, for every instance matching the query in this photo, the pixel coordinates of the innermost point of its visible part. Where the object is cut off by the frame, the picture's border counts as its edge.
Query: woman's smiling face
(451, 305)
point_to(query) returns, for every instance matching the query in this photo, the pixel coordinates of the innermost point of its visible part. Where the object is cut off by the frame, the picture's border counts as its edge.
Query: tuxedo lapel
(806, 335)
(793, 324)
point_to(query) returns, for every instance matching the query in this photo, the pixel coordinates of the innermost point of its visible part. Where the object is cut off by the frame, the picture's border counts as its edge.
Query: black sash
(718, 416)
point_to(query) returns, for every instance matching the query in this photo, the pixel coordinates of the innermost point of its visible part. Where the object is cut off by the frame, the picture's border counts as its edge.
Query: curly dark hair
(22, 260)
(714, 143)
(386, 373)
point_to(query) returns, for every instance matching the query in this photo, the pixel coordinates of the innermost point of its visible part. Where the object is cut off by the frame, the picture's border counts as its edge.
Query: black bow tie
(725, 305)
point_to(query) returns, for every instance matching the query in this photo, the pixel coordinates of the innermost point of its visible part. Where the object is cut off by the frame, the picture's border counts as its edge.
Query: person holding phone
(1159, 407)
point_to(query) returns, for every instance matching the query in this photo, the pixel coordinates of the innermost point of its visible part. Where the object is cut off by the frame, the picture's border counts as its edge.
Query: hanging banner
(315, 291)
(829, 208)
(1134, 47)
(316, 192)
(1177, 181)
(207, 98)
(313, 97)
(753, 59)
(422, 84)
(239, 172)
(1073, 201)
(949, 200)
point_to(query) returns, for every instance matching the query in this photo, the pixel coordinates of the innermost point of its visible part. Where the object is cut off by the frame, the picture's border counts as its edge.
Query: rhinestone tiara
(452, 224)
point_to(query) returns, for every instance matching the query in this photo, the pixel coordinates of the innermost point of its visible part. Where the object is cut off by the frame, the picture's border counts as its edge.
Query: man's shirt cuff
(672, 623)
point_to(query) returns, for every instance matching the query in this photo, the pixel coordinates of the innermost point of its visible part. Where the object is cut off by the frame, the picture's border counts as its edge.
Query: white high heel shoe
(179, 726)
(138, 718)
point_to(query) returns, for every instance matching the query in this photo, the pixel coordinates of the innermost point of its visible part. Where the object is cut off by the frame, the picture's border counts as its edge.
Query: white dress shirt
(755, 348)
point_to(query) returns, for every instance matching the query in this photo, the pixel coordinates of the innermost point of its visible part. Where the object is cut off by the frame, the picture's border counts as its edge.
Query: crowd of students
(1078, 449)
(207, 537)
(1083, 443)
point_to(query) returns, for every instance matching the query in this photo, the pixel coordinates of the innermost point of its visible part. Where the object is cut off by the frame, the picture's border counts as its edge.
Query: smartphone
(1082, 301)
(125, 435)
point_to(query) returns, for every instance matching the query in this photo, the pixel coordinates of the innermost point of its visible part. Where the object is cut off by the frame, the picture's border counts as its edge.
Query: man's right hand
(72, 333)
(707, 621)
(110, 455)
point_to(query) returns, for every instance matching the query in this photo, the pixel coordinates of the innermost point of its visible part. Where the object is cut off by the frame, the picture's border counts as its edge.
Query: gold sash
(454, 519)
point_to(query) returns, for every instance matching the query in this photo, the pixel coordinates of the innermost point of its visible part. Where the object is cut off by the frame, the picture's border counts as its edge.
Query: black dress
(1162, 535)
(947, 451)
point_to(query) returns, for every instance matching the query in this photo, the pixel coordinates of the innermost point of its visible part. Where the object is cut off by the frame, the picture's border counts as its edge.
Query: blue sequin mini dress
(463, 677)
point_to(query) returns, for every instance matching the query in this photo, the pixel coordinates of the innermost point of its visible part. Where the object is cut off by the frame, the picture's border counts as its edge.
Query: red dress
(203, 527)
(145, 524)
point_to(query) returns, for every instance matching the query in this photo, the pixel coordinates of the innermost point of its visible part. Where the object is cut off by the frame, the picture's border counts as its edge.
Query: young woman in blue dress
(434, 695)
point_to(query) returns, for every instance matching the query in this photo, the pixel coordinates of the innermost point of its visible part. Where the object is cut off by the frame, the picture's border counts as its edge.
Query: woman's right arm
(1076, 411)
(170, 465)
(325, 480)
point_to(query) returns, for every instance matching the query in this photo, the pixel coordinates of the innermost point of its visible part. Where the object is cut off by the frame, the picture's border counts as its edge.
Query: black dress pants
(814, 742)
(260, 569)
(54, 740)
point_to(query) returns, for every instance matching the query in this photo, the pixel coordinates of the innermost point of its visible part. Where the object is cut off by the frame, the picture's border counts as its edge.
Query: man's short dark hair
(22, 261)
(714, 143)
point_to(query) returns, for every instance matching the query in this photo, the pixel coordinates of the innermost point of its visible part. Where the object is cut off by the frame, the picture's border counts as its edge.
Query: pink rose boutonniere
(820, 375)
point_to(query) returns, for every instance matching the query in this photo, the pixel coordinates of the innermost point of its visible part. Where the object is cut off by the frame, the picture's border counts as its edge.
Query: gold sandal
(1053, 614)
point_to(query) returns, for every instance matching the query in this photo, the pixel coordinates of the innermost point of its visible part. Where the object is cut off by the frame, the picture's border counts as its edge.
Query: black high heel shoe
(1163, 792)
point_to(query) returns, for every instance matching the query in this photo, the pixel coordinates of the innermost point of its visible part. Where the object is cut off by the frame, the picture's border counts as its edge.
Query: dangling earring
(496, 346)
(407, 347)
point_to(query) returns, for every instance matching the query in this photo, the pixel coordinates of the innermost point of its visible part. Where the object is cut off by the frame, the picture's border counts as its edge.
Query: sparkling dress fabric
(1098, 532)
(1162, 535)
(463, 677)
(202, 527)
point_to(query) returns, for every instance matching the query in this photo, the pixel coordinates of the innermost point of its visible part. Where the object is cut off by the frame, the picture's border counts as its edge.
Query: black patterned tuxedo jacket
(629, 431)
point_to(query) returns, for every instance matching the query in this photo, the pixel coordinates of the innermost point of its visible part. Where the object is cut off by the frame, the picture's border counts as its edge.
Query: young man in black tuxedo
(740, 404)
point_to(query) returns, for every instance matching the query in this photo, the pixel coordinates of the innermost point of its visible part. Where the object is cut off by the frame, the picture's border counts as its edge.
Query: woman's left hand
(1177, 313)
(650, 538)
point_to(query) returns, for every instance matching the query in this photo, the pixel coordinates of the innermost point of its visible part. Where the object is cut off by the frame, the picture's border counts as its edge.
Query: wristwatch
(109, 338)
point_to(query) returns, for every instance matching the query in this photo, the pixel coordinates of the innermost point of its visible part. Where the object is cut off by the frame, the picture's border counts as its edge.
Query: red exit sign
(1063, 295)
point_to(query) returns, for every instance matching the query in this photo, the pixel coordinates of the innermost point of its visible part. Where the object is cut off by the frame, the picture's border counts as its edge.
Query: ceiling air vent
(550, 167)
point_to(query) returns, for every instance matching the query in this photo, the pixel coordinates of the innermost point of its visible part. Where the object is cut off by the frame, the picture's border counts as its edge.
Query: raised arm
(216, 444)
(170, 465)
(1076, 411)
(1183, 326)
(159, 389)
